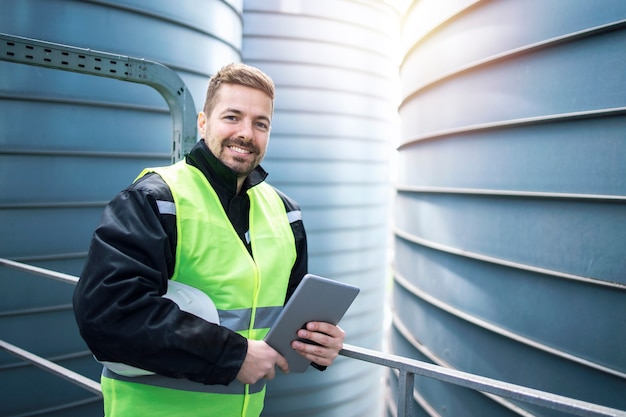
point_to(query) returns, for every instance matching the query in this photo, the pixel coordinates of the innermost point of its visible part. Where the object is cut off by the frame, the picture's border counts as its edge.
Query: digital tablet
(315, 299)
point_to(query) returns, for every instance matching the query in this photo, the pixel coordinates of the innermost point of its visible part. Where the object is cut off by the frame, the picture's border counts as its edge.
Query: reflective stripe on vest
(234, 388)
(237, 319)
(248, 291)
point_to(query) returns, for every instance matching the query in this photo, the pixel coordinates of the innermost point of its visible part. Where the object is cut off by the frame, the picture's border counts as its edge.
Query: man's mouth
(237, 149)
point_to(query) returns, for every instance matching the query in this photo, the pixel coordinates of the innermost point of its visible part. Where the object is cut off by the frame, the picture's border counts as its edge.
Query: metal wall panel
(510, 214)
(68, 144)
(336, 75)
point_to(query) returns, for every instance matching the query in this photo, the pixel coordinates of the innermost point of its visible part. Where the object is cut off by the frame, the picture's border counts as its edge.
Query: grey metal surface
(336, 73)
(510, 207)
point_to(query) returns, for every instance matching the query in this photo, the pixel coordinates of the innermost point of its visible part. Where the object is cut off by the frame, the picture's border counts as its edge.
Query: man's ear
(202, 121)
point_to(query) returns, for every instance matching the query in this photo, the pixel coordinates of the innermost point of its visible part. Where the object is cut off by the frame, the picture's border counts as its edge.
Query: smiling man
(213, 224)
(237, 127)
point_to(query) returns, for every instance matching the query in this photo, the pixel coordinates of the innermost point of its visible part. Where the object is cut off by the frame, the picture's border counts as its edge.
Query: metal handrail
(68, 374)
(406, 367)
(168, 83)
(59, 276)
(74, 377)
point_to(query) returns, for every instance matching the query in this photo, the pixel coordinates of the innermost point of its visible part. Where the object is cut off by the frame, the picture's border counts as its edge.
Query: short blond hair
(240, 74)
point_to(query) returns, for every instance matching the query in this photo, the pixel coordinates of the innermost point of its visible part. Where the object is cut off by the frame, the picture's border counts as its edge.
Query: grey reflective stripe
(266, 317)
(234, 388)
(235, 320)
(166, 207)
(294, 216)
(238, 320)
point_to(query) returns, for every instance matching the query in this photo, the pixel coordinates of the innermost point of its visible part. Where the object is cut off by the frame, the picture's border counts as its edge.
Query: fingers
(270, 374)
(328, 341)
(327, 328)
(282, 364)
(260, 362)
(325, 334)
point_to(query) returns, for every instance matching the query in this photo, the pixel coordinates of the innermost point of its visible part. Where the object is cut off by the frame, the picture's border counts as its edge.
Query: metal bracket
(103, 64)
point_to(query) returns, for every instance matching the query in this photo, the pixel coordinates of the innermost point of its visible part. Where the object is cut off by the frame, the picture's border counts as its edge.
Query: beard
(241, 164)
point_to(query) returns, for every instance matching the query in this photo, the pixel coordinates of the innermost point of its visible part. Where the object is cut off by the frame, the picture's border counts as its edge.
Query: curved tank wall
(68, 143)
(335, 73)
(510, 214)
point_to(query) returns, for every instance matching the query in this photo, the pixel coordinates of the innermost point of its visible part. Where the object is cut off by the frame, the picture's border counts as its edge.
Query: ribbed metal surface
(335, 73)
(510, 215)
(68, 143)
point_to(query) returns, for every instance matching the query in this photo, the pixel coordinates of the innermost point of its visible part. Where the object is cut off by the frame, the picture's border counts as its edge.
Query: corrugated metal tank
(510, 214)
(68, 144)
(336, 73)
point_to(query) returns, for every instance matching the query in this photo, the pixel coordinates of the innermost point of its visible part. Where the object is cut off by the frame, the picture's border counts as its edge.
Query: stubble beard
(242, 166)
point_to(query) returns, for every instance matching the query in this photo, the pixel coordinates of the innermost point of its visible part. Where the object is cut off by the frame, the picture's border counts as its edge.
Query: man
(213, 223)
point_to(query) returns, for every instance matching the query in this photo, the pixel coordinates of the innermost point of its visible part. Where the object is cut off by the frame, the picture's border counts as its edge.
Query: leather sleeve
(118, 305)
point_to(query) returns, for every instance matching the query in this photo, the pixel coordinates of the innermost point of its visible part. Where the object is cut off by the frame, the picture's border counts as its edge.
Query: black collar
(218, 174)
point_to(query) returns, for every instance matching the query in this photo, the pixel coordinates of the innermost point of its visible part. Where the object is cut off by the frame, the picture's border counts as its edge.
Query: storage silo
(510, 214)
(68, 143)
(335, 71)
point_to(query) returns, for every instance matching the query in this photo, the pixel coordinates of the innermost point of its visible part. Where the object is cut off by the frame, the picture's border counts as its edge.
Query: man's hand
(260, 363)
(328, 339)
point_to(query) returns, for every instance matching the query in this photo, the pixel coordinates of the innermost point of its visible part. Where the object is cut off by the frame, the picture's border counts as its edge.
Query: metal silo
(68, 144)
(335, 71)
(510, 214)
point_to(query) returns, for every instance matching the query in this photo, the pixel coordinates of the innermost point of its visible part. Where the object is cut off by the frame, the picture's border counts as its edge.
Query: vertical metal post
(406, 381)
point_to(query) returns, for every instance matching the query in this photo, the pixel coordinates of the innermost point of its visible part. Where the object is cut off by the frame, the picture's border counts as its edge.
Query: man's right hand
(260, 362)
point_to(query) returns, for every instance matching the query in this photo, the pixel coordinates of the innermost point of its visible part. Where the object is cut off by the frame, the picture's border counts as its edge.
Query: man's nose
(246, 131)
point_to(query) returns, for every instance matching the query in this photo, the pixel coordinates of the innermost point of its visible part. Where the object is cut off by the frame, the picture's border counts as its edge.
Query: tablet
(315, 299)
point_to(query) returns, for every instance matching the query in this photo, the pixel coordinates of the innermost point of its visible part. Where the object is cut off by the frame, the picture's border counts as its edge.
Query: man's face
(237, 130)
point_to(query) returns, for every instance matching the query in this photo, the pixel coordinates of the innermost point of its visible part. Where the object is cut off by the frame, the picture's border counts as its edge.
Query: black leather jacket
(117, 302)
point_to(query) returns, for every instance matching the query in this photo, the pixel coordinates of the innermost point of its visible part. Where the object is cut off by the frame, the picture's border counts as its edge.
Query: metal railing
(406, 368)
(36, 360)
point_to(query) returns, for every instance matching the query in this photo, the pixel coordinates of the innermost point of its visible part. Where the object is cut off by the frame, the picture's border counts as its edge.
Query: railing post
(405, 393)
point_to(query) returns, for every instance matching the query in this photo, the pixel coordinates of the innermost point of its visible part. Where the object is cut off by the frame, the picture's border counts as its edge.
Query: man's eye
(230, 117)
(262, 125)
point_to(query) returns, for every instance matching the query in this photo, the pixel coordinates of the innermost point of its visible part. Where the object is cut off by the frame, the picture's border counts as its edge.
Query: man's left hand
(328, 341)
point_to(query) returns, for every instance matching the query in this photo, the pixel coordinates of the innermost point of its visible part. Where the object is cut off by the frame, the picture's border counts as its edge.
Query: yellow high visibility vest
(248, 292)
